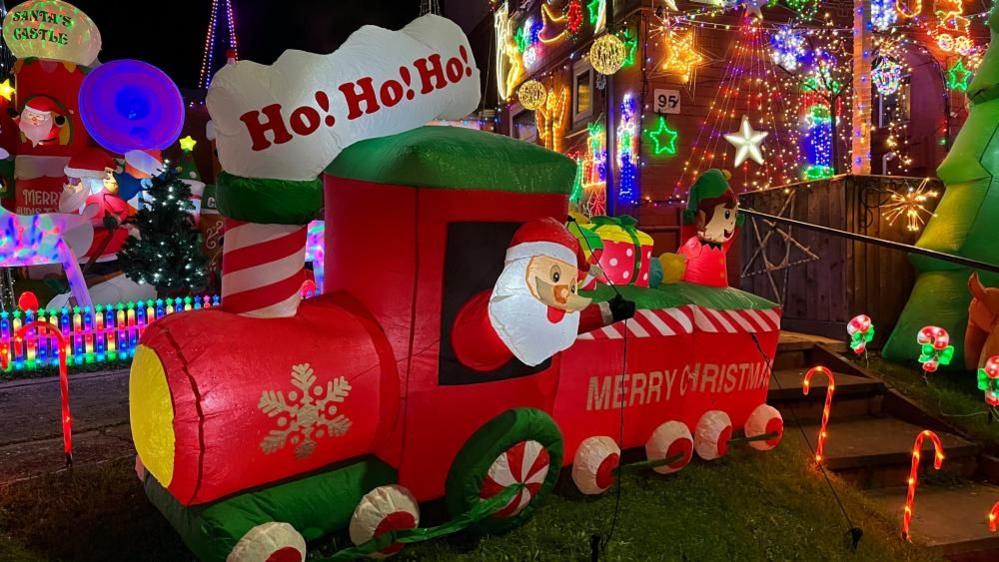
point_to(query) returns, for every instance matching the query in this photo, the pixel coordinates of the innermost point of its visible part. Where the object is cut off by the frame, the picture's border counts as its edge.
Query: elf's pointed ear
(701, 219)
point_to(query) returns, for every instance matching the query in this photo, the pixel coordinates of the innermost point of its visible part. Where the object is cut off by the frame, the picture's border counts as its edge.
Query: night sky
(171, 33)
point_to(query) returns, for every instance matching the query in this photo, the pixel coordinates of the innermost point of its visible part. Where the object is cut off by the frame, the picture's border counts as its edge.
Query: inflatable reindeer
(981, 339)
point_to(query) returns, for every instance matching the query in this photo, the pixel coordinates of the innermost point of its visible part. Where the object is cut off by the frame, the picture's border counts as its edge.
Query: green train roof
(456, 158)
(680, 294)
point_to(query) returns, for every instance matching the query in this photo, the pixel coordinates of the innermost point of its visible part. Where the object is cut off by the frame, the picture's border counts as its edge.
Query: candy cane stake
(910, 497)
(993, 516)
(806, 385)
(44, 328)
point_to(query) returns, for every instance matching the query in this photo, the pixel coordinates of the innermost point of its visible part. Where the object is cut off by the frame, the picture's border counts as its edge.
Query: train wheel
(765, 419)
(269, 542)
(594, 464)
(714, 429)
(669, 440)
(384, 509)
(520, 446)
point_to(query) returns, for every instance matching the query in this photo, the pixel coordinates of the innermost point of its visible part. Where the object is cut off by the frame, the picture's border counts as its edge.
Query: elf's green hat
(712, 183)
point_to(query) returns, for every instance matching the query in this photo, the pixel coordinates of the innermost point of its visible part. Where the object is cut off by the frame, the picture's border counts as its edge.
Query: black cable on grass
(854, 532)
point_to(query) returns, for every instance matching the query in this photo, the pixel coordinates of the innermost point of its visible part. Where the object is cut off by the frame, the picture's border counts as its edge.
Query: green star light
(630, 45)
(594, 7)
(958, 77)
(667, 145)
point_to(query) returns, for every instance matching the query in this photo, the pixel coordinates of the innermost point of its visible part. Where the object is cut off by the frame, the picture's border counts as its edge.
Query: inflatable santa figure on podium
(534, 310)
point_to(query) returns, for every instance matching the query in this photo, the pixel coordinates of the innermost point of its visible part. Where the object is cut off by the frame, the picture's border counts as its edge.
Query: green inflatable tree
(167, 253)
(966, 221)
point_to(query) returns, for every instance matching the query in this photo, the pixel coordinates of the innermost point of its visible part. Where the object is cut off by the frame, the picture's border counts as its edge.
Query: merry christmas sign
(289, 120)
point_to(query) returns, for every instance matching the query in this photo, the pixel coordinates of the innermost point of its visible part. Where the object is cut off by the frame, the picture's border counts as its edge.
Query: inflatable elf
(713, 213)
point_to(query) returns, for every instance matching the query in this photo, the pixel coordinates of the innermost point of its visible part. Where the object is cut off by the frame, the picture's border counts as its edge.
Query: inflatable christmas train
(359, 407)
(453, 354)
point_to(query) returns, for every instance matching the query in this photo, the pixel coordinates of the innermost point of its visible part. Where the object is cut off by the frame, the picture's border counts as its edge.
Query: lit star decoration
(747, 143)
(681, 57)
(958, 77)
(753, 8)
(630, 41)
(187, 143)
(597, 14)
(6, 90)
(887, 76)
(664, 138)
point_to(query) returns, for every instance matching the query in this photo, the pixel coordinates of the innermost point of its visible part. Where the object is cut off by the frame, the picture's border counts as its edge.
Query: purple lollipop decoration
(131, 105)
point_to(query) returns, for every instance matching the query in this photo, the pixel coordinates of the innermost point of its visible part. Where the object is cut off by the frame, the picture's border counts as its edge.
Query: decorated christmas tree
(965, 221)
(167, 253)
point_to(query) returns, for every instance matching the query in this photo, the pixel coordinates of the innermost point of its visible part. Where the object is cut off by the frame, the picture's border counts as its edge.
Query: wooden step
(855, 396)
(876, 452)
(785, 385)
(951, 520)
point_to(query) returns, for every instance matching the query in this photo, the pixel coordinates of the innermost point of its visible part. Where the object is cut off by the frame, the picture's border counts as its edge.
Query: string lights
(627, 151)
(208, 55)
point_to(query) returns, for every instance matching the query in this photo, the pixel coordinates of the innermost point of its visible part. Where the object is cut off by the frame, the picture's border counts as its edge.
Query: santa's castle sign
(53, 30)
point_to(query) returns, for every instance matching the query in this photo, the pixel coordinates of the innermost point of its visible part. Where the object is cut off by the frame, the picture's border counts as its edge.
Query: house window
(525, 127)
(582, 92)
(895, 107)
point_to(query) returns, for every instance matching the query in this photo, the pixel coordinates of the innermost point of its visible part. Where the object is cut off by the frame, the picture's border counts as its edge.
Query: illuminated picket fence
(93, 335)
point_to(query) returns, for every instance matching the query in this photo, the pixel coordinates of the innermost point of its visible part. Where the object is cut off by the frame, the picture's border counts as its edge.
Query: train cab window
(472, 263)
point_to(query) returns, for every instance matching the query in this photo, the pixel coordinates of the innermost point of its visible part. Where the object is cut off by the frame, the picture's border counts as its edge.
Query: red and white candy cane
(806, 385)
(263, 268)
(910, 497)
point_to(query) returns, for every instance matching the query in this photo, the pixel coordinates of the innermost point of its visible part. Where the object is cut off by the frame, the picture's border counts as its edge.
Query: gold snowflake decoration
(304, 415)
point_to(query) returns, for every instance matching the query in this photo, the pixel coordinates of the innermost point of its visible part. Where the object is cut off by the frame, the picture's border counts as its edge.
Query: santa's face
(720, 228)
(37, 126)
(553, 282)
(534, 313)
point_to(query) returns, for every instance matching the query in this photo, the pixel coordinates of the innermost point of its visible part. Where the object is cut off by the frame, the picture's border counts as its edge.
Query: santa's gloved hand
(621, 308)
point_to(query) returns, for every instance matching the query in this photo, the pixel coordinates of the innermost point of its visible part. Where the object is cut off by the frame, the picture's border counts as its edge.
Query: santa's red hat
(89, 163)
(43, 103)
(543, 237)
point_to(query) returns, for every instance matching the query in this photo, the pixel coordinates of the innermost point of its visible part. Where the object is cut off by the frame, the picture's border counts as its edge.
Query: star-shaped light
(958, 77)
(753, 7)
(747, 142)
(595, 7)
(187, 143)
(664, 138)
(6, 90)
(630, 46)
(681, 57)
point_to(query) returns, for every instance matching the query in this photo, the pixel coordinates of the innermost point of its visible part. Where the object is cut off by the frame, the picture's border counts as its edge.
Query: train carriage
(258, 435)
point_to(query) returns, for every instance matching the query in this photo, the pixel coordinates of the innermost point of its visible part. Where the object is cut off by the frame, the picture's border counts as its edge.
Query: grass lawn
(951, 396)
(746, 506)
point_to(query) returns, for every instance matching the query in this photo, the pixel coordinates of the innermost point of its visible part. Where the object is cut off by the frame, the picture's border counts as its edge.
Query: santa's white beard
(39, 132)
(521, 320)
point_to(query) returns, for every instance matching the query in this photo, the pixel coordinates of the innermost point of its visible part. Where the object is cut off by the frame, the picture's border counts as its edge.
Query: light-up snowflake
(788, 47)
(305, 415)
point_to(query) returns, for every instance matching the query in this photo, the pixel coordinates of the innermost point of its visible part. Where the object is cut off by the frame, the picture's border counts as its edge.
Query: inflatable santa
(43, 122)
(535, 309)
